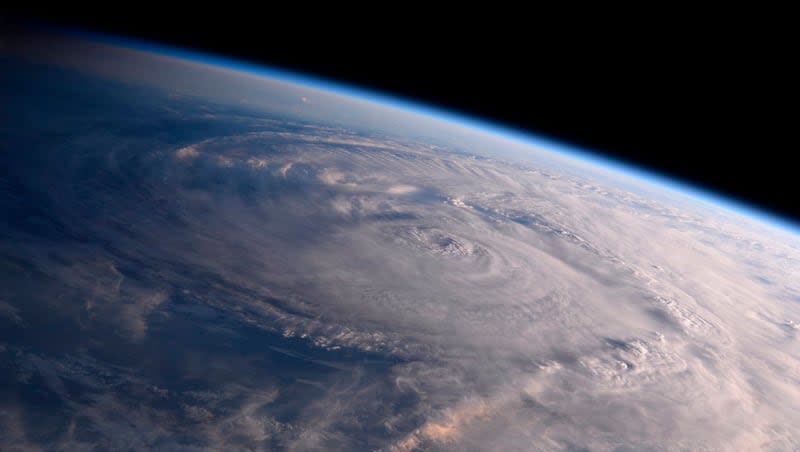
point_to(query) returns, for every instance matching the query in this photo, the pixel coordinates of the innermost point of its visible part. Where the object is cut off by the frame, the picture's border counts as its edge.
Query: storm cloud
(183, 280)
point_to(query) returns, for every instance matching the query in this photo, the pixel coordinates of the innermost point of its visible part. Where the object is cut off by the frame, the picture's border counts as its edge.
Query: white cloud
(186, 153)
(401, 189)
(285, 168)
(505, 306)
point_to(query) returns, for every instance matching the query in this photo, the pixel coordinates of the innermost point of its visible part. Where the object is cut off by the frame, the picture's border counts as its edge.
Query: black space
(706, 98)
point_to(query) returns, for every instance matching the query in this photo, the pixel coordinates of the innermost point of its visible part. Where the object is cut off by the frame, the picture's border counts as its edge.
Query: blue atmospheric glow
(509, 133)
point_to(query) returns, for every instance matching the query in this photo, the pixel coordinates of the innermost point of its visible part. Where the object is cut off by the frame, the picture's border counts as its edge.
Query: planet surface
(197, 254)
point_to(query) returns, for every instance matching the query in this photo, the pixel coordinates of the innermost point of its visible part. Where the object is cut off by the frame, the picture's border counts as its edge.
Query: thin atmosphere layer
(521, 137)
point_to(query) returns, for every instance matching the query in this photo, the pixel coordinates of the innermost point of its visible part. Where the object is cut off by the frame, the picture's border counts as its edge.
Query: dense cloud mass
(183, 277)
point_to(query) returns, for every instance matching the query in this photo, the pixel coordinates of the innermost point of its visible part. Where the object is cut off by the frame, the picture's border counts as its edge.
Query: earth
(197, 254)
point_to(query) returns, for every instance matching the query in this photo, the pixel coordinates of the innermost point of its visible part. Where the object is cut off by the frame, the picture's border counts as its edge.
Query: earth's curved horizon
(199, 257)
